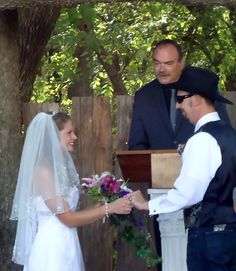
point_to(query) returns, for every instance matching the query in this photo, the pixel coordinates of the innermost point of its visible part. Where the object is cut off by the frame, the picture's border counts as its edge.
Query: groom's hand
(139, 201)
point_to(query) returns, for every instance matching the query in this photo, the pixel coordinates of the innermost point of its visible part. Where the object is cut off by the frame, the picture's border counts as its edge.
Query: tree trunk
(34, 30)
(9, 131)
(81, 88)
(113, 71)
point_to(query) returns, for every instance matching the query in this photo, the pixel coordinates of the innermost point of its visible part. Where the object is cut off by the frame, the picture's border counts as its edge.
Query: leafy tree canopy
(116, 46)
(10, 4)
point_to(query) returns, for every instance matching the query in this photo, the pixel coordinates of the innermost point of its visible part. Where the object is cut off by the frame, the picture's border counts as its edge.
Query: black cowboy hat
(200, 81)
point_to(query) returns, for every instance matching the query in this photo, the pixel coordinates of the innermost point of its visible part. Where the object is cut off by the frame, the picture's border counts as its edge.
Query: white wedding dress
(56, 247)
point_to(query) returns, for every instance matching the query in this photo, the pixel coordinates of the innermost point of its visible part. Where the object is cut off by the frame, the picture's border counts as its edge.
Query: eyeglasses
(180, 98)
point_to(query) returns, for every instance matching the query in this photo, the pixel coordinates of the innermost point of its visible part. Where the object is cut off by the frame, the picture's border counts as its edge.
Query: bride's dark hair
(60, 118)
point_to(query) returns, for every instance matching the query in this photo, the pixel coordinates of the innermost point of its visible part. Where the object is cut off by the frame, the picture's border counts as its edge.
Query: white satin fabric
(56, 247)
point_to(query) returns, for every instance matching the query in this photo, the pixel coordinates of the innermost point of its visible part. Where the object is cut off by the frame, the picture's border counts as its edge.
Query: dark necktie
(173, 109)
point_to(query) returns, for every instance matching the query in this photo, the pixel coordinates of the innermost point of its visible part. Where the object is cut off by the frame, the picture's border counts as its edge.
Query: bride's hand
(120, 206)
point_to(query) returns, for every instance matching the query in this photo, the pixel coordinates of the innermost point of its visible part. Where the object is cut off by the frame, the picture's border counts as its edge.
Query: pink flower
(114, 187)
(88, 182)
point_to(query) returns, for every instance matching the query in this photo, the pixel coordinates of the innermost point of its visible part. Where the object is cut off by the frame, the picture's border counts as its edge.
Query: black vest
(217, 204)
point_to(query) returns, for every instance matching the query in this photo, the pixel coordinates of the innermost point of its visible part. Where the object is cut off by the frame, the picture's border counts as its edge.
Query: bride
(46, 199)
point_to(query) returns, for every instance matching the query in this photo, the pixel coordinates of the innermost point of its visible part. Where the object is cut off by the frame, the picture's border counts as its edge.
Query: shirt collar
(205, 119)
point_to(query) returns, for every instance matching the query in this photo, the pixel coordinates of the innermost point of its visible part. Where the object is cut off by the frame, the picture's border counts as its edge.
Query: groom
(207, 178)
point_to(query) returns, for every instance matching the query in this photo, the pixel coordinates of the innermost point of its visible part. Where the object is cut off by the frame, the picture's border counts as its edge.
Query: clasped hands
(137, 200)
(124, 205)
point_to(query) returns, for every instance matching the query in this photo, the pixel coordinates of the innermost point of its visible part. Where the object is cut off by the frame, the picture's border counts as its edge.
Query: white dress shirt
(200, 160)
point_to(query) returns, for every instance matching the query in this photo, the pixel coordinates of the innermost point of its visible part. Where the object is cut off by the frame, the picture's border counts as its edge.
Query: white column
(173, 237)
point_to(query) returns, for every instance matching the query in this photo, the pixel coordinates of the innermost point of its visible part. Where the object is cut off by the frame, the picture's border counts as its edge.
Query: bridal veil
(46, 171)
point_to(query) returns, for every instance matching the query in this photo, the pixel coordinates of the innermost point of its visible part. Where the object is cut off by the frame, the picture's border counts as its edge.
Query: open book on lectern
(158, 167)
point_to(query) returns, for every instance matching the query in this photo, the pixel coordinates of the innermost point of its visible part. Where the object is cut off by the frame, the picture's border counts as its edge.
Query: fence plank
(83, 122)
(103, 134)
(123, 119)
(29, 110)
(92, 120)
(91, 117)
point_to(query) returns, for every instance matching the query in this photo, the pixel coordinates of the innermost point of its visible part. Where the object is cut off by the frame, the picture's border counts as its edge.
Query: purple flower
(136, 221)
(123, 193)
(103, 188)
(106, 180)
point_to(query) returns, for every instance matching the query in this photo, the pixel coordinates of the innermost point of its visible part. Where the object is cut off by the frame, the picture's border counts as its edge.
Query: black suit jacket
(151, 126)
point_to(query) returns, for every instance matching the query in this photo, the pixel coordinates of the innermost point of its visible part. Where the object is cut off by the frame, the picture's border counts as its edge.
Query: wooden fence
(94, 153)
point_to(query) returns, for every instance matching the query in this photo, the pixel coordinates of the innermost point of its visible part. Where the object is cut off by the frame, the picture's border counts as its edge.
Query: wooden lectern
(158, 167)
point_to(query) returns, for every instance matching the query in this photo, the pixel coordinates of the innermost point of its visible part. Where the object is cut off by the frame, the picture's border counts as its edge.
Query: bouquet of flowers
(107, 188)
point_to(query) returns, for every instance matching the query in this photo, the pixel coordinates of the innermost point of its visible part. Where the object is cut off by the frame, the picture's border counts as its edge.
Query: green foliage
(141, 240)
(122, 37)
(133, 231)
